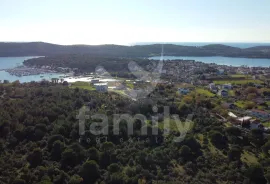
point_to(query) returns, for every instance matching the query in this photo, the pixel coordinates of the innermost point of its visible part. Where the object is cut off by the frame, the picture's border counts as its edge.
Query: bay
(11, 62)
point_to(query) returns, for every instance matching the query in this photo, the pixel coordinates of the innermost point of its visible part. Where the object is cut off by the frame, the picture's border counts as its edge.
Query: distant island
(14, 49)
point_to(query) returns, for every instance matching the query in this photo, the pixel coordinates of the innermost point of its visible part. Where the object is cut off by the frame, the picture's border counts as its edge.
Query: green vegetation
(245, 104)
(236, 82)
(45, 49)
(83, 85)
(240, 75)
(249, 158)
(204, 92)
(266, 124)
(40, 143)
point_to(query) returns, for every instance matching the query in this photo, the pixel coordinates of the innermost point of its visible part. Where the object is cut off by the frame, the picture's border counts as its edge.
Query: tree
(113, 168)
(35, 158)
(68, 158)
(185, 152)
(65, 83)
(255, 174)
(57, 149)
(266, 148)
(256, 136)
(217, 139)
(107, 146)
(75, 179)
(89, 172)
(93, 154)
(19, 181)
(234, 154)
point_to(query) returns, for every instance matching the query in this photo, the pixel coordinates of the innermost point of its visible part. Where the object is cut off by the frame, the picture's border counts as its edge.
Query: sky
(125, 22)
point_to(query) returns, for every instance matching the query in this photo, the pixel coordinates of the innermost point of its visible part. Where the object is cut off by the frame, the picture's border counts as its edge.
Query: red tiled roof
(259, 111)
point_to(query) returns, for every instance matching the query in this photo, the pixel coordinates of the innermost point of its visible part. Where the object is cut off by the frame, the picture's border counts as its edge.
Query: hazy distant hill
(47, 49)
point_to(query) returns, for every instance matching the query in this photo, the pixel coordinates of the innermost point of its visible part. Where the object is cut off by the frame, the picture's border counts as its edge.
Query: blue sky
(129, 21)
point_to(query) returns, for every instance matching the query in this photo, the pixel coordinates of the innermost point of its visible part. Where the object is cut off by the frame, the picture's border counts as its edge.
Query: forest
(40, 141)
(86, 63)
(12, 49)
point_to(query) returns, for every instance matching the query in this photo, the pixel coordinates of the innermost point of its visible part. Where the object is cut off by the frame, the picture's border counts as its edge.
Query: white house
(213, 88)
(102, 87)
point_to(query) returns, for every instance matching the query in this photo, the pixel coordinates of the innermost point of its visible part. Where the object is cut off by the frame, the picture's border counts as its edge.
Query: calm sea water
(199, 44)
(222, 60)
(11, 62)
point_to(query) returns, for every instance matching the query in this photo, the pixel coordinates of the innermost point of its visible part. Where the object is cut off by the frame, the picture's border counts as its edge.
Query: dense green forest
(40, 142)
(47, 49)
(86, 62)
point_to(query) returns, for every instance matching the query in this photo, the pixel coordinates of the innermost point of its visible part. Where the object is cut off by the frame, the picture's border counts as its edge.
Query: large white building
(103, 87)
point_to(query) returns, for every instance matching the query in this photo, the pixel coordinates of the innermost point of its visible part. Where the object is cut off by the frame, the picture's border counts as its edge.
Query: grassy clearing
(249, 158)
(244, 104)
(130, 85)
(240, 104)
(231, 93)
(83, 85)
(204, 92)
(240, 75)
(200, 138)
(228, 124)
(266, 124)
(268, 103)
(235, 82)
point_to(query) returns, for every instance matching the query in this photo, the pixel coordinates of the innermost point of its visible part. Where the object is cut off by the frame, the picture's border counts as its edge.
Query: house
(102, 87)
(183, 91)
(94, 81)
(228, 105)
(255, 124)
(259, 114)
(213, 88)
(227, 86)
(242, 121)
(220, 71)
(232, 115)
(223, 93)
(259, 101)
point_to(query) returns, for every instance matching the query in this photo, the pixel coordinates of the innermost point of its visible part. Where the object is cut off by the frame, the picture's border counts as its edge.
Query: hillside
(48, 49)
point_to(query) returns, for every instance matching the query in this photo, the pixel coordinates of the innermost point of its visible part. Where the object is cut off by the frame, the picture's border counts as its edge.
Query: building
(242, 121)
(227, 86)
(223, 93)
(259, 114)
(183, 91)
(254, 124)
(228, 105)
(102, 87)
(94, 81)
(213, 88)
(220, 71)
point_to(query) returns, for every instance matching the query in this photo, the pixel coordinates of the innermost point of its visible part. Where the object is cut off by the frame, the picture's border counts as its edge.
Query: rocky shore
(27, 71)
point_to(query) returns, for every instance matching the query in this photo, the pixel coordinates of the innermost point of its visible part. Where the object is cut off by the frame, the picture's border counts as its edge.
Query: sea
(11, 62)
(199, 44)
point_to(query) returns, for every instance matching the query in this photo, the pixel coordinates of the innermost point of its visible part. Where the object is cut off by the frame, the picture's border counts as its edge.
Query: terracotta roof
(259, 111)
